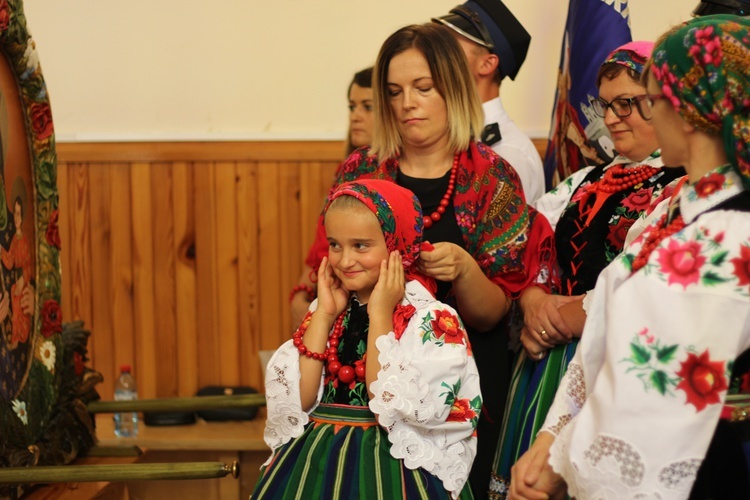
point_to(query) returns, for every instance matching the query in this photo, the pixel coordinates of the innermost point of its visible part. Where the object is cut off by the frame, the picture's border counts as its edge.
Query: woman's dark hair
(361, 79)
(610, 71)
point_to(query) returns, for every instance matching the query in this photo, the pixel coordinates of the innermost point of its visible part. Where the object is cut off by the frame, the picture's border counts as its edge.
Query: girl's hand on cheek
(389, 290)
(332, 296)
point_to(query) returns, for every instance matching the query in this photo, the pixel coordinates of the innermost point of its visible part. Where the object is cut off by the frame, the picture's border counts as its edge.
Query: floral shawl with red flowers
(512, 244)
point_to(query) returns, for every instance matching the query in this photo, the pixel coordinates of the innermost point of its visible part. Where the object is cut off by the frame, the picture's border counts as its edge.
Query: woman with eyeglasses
(644, 411)
(591, 212)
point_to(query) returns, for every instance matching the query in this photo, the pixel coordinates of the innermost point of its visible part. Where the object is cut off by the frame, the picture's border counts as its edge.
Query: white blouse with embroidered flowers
(426, 394)
(638, 406)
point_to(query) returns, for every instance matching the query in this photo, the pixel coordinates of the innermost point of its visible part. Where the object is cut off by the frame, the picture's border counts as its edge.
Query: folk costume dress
(591, 212)
(417, 438)
(587, 238)
(639, 405)
(513, 245)
(655, 357)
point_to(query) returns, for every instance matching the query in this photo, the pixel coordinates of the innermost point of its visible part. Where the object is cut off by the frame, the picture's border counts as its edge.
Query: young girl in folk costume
(377, 393)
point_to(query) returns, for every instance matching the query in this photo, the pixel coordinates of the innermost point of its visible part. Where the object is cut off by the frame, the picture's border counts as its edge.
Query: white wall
(251, 69)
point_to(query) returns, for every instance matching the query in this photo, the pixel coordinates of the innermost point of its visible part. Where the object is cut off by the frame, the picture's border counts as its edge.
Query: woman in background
(487, 243)
(669, 318)
(360, 111)
(358, 135)
(591, 212)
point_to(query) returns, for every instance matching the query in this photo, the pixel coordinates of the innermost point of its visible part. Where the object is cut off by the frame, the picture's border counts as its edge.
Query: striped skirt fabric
(344, 454)
(532, 392)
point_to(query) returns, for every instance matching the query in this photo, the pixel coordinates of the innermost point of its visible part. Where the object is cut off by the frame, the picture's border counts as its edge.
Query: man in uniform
(495, 44)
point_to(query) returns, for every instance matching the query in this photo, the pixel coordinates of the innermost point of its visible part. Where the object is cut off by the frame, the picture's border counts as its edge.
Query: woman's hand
(531, 345)
(543, 319)
(389, 290)
(445, 262)
(481, 302)
(532, 477)
(332, 297)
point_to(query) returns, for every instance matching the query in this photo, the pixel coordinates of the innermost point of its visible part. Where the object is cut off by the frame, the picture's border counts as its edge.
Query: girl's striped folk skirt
(344, 454)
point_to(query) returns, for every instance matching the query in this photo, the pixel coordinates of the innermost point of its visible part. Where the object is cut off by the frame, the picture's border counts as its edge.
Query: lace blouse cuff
(399, 392)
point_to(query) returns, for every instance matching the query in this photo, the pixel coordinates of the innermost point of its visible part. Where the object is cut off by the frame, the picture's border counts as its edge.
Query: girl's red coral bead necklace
(345, 373)
(429, 220)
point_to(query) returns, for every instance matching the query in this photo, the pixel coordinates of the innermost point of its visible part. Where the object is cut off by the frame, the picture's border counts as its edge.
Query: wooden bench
(199, 442)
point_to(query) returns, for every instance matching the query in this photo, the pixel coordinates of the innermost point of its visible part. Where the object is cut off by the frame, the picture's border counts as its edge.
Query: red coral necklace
(617, 178)
(345, 373)
(429, 220)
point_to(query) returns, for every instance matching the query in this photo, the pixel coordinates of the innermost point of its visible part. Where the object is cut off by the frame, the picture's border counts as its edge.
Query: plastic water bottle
(126, 424)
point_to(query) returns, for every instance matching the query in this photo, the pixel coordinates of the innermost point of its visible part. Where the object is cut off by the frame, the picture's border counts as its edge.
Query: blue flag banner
(578, 137)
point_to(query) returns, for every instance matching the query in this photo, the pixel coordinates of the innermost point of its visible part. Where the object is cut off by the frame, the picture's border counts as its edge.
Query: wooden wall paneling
(206, 274)
(121, 239)
(290, 265)
(63, 225)
(248, 268)
(102, 328)
(270, 198)
(309, 175)
(79, 282)
(185, 278)
(180, 260)
(269, 151)
(164, 279)
(227, 334)
(144, 303)
(317, 178)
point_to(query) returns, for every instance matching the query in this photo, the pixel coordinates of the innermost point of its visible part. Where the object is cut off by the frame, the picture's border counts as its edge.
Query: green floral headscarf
(704, 69)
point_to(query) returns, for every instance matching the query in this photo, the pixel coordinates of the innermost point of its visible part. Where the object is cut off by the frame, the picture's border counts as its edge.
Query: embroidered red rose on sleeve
(702, 380)
(461, 411)
(447, 327)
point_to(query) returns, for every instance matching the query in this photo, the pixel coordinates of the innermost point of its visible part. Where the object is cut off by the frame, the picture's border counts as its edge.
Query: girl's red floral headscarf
(400, 216)
(703, 68)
